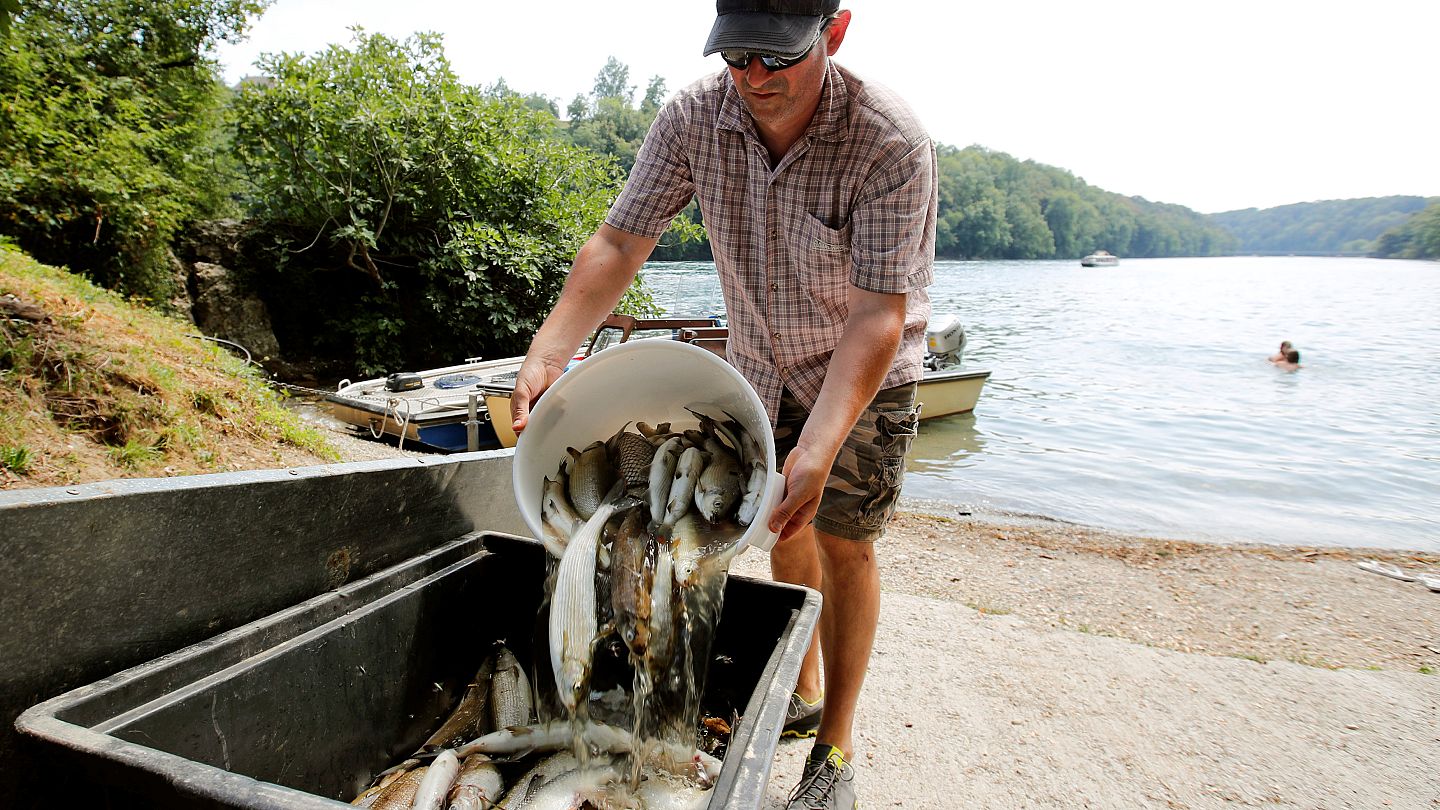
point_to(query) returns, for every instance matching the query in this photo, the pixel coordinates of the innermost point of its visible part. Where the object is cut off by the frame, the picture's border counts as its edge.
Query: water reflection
(945, 443)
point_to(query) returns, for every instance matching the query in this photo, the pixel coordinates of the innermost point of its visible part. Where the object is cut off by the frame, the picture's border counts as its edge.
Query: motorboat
(1100, 258)
(450, 409)
(445, 408)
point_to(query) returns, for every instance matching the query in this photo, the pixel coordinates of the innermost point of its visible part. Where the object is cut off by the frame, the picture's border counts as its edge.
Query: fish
(661, 793)
(722, 430)
(571, 790)
(479, 785)
(630, 577)
(661, 431)
(750, 501)
(661, 639)
(400, 795)
(632, 456)
(662, 472)
(720, 483)
(682, 485)
(558, 517)
(470, 714)
(591, 476)
(701, 546)
(555, 735)
(431, 793)
(572, 620)
(546, 770)
(510, 701)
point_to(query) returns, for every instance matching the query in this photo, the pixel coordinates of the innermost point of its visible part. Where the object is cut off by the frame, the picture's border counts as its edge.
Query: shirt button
(774, 287)
(774, 335)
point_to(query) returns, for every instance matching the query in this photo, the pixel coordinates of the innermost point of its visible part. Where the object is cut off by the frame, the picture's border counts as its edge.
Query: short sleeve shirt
(852, 202)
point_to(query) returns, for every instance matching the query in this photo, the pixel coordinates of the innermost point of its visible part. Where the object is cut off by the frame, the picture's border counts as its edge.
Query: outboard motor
(944, 343)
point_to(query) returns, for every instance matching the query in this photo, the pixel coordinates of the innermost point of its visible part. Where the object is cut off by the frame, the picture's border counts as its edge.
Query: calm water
(1139, 397)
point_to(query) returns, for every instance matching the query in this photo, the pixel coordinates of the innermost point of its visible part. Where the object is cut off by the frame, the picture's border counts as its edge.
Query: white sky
(1213, 105)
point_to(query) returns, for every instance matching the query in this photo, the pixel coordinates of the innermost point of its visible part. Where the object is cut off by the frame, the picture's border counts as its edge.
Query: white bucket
(654, 381)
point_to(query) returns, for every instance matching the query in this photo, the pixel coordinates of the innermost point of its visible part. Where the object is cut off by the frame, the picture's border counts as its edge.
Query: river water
(1139, 397)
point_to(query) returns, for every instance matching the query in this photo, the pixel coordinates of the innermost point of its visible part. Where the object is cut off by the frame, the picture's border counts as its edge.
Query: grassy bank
(94, 387)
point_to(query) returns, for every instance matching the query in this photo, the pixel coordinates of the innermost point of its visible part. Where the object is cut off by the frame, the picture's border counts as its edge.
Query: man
(818, 193)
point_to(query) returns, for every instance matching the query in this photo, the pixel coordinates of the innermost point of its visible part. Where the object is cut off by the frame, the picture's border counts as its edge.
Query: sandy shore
(1047, 665)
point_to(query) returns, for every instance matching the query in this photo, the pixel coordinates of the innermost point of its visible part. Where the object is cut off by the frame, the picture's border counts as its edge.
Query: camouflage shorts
(864, 485)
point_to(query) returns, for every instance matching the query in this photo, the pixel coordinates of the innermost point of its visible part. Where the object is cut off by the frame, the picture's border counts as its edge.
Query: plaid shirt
(852, 202)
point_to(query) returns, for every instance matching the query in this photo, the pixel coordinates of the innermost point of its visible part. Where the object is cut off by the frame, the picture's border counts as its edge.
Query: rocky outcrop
(222, 302)
(225, 310)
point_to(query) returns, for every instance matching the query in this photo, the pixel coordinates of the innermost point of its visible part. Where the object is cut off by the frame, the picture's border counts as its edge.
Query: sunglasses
(741, 59)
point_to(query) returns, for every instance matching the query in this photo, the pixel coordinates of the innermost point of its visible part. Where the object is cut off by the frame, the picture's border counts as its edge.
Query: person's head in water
(1285, 348)
(1292, 355)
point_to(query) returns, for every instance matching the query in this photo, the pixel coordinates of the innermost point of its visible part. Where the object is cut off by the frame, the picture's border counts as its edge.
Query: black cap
(781, 27)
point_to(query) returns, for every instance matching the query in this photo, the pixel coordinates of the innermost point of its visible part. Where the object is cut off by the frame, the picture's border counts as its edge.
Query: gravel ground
(1038, 664)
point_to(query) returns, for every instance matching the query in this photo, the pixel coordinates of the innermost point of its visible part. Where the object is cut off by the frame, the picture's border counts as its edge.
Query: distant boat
(1100, 258)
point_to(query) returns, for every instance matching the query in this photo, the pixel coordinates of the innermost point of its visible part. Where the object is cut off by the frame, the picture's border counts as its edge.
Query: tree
(613, 81)
(436, 220)
(109, 131)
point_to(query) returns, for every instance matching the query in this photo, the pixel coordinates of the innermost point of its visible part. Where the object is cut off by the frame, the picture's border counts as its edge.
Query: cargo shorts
(864, 485)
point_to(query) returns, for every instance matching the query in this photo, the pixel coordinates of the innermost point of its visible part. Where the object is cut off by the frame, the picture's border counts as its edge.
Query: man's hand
(806, 472)
(535, 376)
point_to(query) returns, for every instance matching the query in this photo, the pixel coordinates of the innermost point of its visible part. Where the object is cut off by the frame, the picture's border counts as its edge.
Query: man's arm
(603, 269)
(861, 360)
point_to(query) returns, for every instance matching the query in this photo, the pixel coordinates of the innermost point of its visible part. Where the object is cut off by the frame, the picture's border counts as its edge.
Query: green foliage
(108, 129)
(8, 9)
(1416, 238)
(994, 206)
(1328, 227)
(435, 220)
(16, 459)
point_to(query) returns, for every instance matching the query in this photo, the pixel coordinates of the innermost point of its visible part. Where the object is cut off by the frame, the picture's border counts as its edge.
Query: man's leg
(851, 587)
(797, 561)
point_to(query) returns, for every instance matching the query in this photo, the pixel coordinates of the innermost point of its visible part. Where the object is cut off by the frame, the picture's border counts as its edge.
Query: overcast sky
(1214, 105)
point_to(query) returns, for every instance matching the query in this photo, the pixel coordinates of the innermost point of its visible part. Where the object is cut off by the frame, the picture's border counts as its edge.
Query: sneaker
(802, 719)
(828, 783)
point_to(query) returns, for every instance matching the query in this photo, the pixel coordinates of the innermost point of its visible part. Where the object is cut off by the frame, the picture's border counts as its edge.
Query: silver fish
(510, 703)
(433, 789)
(662, 472)
(573, 790)
(546, 770)
(659, 792)
(559, 518)
(572, 605)
(701, 547)
(661, 646)
(591, 476)
(750, 501)
(479, 785)
(558, 734)
(682, 486)
(720, 483)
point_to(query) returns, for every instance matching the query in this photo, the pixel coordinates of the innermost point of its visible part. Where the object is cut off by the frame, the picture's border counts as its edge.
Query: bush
(435, 221)
(111, 110)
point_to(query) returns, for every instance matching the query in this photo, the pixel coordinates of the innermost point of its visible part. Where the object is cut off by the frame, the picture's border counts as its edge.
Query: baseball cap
(780, 27)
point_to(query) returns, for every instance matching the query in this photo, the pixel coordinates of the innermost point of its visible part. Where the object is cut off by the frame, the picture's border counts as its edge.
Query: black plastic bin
(301, 708)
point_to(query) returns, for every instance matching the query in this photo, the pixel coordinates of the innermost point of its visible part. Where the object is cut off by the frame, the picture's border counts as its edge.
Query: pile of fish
(495, 715)
(641, 528)
(648, 513)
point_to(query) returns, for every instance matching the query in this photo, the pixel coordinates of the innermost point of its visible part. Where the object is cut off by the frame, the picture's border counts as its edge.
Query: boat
(442, 408)
(1100, 258)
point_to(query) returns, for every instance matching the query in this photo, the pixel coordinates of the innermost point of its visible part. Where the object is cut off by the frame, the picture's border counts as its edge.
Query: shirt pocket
(820, 256)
